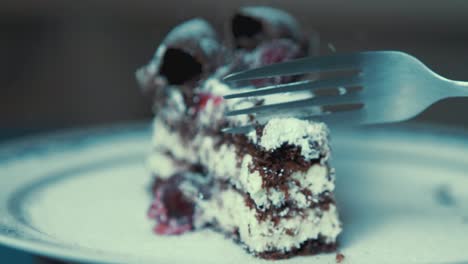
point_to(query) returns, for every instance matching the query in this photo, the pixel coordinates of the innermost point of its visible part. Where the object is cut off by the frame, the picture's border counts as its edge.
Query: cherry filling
(179, 67)
(203, 99)
(277, 52)
(274, 52)
(172, 211)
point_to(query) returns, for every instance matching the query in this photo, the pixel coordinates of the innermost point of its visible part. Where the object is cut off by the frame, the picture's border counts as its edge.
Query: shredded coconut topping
(304, 134)
(196, 27)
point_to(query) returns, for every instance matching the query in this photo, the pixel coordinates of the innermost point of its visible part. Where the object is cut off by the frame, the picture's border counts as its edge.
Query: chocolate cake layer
(309, 247)
(181, 202)
(274, 166)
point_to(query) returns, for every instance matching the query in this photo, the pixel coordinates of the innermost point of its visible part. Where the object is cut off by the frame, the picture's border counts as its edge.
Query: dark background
(70, 63)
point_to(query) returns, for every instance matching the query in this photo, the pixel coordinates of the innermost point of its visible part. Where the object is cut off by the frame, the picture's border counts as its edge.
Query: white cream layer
(228, 209)
(222, 163)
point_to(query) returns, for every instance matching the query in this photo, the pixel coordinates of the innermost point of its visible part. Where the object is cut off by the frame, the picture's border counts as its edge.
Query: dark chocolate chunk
(245, 28)
(290, 232)
(189, 53)
(252, 25)
(179, 67)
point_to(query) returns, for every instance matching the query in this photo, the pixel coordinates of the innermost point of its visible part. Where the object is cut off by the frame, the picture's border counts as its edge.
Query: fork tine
(310, 102)
(351, 98)
(299, 66)
(355, 116)
(299, 86)
(331, 118)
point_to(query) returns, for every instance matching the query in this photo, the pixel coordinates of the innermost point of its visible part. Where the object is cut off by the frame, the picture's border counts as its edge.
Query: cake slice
(271, 189)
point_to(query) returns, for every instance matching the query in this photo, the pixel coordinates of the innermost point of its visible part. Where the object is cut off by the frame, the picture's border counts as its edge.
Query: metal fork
(394, 86)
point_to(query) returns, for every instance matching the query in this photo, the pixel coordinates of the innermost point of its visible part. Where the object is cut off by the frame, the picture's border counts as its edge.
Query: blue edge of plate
(12, 137)
(7, 254)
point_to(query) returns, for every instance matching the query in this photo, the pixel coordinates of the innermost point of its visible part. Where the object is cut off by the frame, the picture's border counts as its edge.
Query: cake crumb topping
(292, 131)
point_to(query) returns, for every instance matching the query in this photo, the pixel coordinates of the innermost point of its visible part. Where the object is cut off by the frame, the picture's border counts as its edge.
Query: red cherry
(204, 98)
(161, 229)
(167, 229)
(170, 209)
(157, 209)
(275, 52)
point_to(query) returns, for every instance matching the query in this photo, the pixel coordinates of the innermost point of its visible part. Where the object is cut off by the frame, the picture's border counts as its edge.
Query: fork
(380, 87)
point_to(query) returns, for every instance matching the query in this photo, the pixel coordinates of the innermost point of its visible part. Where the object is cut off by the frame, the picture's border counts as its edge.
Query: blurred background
(66, 64)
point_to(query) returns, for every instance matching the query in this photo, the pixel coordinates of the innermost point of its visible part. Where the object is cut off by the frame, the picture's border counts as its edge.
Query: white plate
(83, 196)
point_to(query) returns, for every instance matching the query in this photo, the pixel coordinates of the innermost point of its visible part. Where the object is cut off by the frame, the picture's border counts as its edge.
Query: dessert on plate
(271, 189)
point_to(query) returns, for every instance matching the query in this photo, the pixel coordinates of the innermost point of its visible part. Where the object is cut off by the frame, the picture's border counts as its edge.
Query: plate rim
(123, 129)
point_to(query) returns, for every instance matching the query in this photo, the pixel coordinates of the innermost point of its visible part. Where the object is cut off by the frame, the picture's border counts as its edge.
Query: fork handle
(457, 88)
